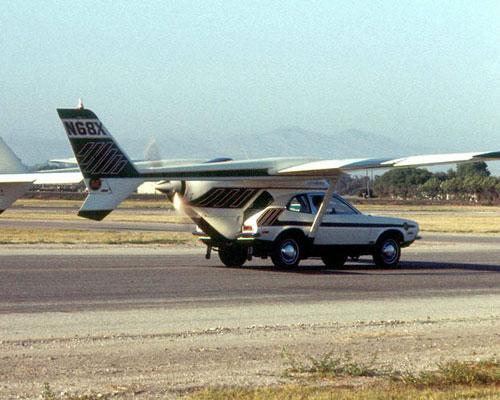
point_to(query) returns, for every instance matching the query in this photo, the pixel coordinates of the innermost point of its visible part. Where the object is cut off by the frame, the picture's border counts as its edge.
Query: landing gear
(334, 259)
(233, 256)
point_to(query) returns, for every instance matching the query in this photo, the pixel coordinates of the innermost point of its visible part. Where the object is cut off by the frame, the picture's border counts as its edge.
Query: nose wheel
(233, 256)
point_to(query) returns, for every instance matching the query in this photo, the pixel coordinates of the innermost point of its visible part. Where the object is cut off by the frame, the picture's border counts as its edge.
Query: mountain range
(285, 141)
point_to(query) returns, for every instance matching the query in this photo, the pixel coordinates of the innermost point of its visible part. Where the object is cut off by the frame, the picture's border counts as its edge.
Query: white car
(278, 223)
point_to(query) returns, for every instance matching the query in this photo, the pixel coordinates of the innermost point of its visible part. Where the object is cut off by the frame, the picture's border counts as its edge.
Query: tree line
(469, 182)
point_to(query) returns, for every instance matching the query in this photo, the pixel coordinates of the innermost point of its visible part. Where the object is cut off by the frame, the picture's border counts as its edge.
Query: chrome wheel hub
(389, 251)
(289, 251)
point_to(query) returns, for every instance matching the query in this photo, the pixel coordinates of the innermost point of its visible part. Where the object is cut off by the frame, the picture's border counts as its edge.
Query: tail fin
(9, 162)
(109, 174)
(97, 153)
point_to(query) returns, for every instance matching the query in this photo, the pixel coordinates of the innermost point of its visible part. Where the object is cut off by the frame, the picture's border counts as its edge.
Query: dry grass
(458, 224)
(432, 218)
(66, 236)
(153, 203)
(295, 392)
(466, 373)
(446, 219)
(329, 366)
(452, 380)
(425, 208)
(116, 216)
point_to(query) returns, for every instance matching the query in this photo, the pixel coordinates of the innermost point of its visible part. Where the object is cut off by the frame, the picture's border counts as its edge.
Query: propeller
(152, 150)
(170, 188)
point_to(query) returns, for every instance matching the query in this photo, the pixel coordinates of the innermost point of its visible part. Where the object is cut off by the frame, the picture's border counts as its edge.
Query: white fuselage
(220, 205)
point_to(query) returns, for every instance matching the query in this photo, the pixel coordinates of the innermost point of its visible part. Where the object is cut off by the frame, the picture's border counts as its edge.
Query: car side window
(338, 207)
(299, 204)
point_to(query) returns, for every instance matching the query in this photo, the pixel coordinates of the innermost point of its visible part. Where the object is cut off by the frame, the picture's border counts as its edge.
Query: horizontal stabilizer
(105, 195)
(10, 192)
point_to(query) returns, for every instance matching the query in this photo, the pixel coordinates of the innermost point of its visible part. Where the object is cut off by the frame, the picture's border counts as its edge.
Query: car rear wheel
(233, 256)
(387, 252)
(334, 259)
(287, 252)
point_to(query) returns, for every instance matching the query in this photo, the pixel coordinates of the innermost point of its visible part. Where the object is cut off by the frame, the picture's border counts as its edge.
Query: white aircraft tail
(10, 164)
(108, 173)
(9, 161)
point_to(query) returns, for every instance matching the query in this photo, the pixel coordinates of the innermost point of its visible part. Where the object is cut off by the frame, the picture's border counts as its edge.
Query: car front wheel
(387, 252)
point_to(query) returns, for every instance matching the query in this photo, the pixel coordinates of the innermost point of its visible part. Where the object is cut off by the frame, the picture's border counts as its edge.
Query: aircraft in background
(16, 178)
(284, 208)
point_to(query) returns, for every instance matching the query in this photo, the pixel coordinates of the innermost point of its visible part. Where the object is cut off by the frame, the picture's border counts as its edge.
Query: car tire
(287, 252)
(334, 259)
(387, 252)
(233, 256)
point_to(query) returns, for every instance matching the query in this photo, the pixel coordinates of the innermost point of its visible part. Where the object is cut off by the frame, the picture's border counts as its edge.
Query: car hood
(392, 220)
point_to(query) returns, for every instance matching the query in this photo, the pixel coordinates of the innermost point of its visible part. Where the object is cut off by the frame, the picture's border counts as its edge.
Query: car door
(342, 223)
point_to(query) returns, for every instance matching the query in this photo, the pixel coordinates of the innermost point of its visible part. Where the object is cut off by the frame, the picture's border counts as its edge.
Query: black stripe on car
(341, 224)
(269, 217)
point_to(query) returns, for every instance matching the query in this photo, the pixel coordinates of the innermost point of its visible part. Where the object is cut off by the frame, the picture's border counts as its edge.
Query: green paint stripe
(494, 154)
(207, 174)
(66, 113)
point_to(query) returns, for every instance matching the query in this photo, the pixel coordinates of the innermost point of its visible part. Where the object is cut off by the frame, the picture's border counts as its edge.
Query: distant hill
(288, 141)
(295, 141)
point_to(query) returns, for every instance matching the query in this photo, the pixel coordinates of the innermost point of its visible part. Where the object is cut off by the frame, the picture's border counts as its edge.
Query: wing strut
(318, 219)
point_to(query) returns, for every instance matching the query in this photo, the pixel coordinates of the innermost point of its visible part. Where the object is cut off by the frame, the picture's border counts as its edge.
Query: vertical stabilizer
(97, 153)
(9, 162)
(108, 173)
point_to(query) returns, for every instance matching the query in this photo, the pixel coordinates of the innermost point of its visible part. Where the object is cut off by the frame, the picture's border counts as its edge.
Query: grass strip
(67, 236)
(450, 380)
(116, 216)
(431, 218)
(295, 392)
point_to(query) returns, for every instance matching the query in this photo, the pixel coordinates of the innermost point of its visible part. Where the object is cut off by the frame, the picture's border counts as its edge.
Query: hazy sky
(418, 71)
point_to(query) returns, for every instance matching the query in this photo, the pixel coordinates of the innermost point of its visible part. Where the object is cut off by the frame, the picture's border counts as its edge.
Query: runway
(163, 320)
(108, 278)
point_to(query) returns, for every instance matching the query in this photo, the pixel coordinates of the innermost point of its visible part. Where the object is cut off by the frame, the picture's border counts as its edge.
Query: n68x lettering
(85, 128)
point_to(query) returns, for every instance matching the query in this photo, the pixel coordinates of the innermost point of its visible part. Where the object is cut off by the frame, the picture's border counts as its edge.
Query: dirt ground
(142, 358)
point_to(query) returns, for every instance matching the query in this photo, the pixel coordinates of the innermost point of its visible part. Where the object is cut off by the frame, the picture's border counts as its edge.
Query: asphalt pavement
(38, 279)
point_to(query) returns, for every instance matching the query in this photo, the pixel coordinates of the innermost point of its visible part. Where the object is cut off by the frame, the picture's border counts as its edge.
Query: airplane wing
(326, 166)
(296, 167)
(111, 176)
(99, 155)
